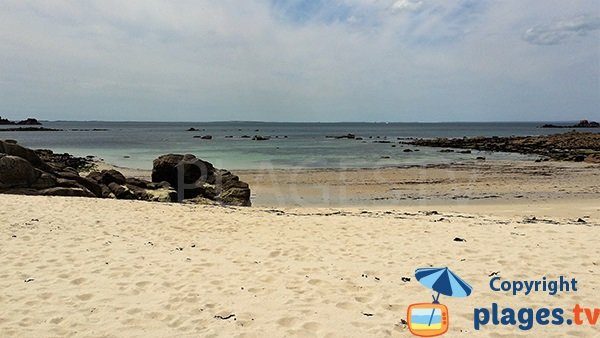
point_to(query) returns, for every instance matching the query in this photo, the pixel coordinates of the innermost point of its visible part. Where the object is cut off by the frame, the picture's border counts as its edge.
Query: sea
(291, 145)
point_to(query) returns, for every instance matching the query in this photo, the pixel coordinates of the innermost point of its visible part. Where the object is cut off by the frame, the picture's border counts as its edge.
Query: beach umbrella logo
(432, 319)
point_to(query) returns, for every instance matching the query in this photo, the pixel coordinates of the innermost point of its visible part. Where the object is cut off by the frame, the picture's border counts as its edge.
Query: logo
(429, 320)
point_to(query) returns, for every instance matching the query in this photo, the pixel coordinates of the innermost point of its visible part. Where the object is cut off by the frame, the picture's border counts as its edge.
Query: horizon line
(316, 122)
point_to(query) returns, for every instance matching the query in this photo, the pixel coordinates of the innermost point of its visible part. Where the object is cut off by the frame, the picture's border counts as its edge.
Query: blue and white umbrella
(444, 282)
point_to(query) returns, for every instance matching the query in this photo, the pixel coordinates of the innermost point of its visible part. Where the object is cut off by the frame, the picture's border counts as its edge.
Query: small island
(581, 124)
(27, 122)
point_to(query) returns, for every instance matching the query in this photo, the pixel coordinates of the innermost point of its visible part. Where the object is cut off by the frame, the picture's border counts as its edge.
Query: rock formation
(27, 122)
(581, 124)
(571, 146)
(193, 178)
(28, 172)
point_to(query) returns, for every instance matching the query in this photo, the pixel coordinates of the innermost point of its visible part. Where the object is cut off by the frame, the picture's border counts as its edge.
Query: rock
(91, 185)
(407, 150)
(44, 181)
(30, 129)
(137, 182)
(446, 151)
(25, 153)
(193, 129)
(205, 137)
(29, 122)
(581, 124)
(239, 196)
(465, 152)
(61, 161)
(159, 185)
(166, 168)
(64, 191)
(16, 172)
(105, 192)
(63, 182)
(162, 195)
(200, 179)
(563, 147)
(480, 158)
(107, 177)
(261, 138)
(5, 122)
(121, 192)
(140, 193)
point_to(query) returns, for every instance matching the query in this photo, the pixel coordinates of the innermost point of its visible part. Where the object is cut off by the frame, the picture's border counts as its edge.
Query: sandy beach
(97, 267)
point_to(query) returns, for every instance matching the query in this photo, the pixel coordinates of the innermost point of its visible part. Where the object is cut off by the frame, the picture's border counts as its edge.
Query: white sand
(113, 268)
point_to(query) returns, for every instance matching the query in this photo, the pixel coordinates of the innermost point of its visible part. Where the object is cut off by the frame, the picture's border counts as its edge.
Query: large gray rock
(192, 178)
(16, 172)
(14, 149)
(44, 181)
(167, 167)
(107, 177)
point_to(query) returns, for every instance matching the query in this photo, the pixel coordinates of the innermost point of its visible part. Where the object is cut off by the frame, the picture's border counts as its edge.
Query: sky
(293, 60)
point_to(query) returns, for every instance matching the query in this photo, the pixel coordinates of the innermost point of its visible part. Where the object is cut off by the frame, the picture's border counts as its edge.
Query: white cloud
(561, 31)
(406, 5)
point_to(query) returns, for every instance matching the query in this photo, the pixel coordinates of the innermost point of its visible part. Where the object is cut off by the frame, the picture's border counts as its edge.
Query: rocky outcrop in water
(571, 146)
(24, 171)
(30, 129)
(581, 124)
(27, 122)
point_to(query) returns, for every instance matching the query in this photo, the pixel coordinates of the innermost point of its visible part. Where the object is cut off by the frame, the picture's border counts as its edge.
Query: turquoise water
(136, 144)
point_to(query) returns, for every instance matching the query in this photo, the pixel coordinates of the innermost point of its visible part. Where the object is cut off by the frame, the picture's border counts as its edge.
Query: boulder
(200, 179)
(44, 181)
(238, 195)
(137, 182)
(162, 195)
(121, 192)
(16, 172)
(167, 167)
(106, 193)
(63, 182)
(139, 193)
(107, 177)
(90, 184)
(65, 191)
(25, 153)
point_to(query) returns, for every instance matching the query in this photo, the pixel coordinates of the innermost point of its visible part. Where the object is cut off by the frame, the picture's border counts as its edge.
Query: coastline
(468, 183)
(322, 252)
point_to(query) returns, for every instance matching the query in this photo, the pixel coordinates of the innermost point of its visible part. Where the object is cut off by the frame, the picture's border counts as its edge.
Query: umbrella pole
(435, 301)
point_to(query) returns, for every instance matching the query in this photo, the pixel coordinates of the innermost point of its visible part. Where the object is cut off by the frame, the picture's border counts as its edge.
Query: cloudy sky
(292, 60)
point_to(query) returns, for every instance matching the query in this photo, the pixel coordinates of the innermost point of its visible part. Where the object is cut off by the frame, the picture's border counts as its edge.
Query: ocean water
(136, 144)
